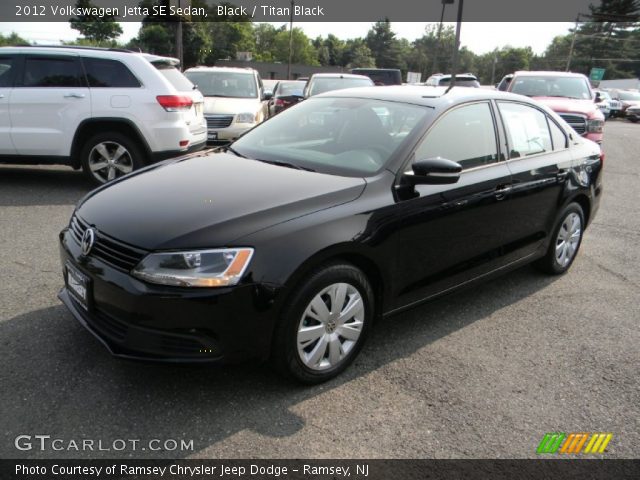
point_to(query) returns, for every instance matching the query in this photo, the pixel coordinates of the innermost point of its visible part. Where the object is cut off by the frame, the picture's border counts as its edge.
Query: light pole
(454, 62)
(573, 43)
(290, 41)
(437, 49)
(179, 48)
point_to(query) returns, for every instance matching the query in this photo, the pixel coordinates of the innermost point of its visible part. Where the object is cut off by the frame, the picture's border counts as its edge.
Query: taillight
(279, 102)
(175, 103)
(601, 159)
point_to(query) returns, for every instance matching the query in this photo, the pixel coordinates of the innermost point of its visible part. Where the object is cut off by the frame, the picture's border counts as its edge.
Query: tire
(117, 153)
(312, 347)
(563, 252)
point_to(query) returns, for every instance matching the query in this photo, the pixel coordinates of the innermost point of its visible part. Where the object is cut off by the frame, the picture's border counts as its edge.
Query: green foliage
(94, 28)
(12, 40)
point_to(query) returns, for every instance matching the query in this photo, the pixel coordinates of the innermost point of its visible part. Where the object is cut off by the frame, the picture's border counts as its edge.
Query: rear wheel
(325, 324)
(567, 237)
(107, 156)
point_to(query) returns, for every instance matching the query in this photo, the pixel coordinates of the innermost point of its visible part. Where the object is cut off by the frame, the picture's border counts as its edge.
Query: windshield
(569, 87)
(286, 89)
(629, 95)
(339, 136)
(225, 84)
(460, 82)
(327, 84)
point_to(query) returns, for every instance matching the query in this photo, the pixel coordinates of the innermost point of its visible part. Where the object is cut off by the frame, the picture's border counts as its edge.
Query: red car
(568, 94)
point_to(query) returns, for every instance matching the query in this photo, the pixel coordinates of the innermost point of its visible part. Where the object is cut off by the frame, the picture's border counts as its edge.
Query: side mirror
(434, 171)
(267, 95)
(598, 99)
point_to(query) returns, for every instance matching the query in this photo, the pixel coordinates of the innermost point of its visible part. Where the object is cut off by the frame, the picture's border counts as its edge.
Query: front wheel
(324, 325)
(567, 237)
(110, 155)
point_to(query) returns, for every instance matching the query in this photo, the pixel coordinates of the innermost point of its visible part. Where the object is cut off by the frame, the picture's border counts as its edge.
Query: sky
(479, 37)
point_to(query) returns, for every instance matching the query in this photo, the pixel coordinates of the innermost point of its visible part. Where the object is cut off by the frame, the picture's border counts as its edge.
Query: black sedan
(285, 95)
(349, 206)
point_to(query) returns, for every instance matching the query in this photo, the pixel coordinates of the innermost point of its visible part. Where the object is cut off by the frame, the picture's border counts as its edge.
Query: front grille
(577, 122)
(219, 121)
(107, 249)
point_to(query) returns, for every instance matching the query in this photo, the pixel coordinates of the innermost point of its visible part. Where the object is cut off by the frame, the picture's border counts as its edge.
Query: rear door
(7, 70)
(539, 161)
(48, 102)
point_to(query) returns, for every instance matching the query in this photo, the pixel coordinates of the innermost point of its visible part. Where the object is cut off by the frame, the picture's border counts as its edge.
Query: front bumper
(633, 115)
(136, 320)
(228, 134)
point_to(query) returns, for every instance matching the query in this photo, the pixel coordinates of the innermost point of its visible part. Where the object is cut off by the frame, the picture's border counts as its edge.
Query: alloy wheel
(108, 160)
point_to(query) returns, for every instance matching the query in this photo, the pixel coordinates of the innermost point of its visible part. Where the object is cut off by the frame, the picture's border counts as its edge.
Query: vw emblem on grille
(88, 240)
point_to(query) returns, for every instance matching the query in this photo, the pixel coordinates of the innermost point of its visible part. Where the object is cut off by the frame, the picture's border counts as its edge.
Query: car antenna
(452, 83)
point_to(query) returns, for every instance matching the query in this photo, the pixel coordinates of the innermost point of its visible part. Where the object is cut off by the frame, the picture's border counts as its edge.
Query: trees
(94, 28)
(12, 40)
(384, 46)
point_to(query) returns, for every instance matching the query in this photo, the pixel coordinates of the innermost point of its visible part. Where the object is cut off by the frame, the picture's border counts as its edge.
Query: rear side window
(102, 73)
(527, 129)
(51, 72)
(557, 136)
(6, 71)
(465, 135)
(175, 77)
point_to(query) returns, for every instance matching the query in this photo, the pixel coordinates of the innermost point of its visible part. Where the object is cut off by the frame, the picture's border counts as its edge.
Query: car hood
(568, 105)
(230, 106)
(210, 201)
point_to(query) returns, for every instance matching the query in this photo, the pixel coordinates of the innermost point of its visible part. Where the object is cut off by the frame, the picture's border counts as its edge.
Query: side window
(51, 72)
(527, 129)
(557, 136)
(465, 135)
(102, 73)
(6, 71)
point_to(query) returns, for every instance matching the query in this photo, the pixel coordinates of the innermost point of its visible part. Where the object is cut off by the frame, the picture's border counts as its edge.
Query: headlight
(246, 118)
(595, 125)
(198, 268)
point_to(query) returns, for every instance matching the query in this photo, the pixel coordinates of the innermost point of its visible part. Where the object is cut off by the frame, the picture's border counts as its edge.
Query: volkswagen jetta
(349, 206)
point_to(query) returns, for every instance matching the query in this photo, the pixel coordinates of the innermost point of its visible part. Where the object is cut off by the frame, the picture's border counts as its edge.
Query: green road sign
(597, 74)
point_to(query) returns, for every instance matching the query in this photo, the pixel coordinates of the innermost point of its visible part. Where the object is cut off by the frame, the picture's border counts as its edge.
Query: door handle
(74, 95)
(502, 191)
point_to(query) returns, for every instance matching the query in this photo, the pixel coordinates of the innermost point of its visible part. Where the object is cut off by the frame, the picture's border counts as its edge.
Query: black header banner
(302, 10)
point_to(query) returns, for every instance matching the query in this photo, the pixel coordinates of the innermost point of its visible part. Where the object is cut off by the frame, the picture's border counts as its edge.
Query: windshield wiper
(229, 148)
(286, 164)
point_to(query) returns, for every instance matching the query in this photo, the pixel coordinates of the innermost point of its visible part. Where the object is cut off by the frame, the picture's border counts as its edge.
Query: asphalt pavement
(483, 373)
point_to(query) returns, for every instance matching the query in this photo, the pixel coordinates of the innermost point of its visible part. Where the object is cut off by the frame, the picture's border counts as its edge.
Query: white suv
(107, 111)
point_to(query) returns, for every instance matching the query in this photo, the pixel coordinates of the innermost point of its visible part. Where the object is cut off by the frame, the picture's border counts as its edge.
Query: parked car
(234, 100)
(286, 94)
(627, 98)
(633, 113)
(503, 86)
(326, 82)
(603, 103)
(568, 94)
(322, 219)
(462, 80)
(615, 106)
(106, 111)
(380, 76)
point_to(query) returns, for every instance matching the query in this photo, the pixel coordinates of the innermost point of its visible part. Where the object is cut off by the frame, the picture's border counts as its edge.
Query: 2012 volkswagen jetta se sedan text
(349, 206)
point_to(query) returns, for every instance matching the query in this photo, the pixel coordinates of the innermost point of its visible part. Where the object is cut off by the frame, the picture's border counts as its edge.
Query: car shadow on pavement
(36, 185)
(58, 380)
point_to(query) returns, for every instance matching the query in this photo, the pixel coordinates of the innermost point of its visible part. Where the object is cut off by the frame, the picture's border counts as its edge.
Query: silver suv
(106, 111)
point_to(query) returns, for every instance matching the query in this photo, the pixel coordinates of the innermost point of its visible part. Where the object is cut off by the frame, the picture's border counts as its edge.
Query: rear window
(102, 73)
(327, 84)
(460, 82)
(175, 77)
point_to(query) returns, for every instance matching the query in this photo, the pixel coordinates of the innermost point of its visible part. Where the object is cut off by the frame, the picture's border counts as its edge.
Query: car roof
(220, 69)
(545, 73)
(338, 75)
(424, 95)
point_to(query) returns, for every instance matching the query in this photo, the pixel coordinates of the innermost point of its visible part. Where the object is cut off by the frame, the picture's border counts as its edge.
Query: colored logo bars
(574, 443)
